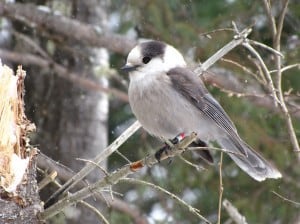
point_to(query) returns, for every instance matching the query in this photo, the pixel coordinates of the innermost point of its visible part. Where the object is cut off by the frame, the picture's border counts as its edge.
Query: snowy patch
(190, 196)
(131, 196)
(159, 172)
(149, 194)
(114, 21)
(18, 167)
(158, 213)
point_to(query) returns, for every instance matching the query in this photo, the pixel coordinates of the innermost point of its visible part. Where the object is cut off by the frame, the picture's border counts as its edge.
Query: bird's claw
(162, 150)
(167, 147)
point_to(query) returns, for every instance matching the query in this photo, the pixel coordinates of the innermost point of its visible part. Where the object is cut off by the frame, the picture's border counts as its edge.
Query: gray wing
(192, 88)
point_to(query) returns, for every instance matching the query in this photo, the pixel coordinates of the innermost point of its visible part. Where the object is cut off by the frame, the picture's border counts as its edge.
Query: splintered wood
(13, 127)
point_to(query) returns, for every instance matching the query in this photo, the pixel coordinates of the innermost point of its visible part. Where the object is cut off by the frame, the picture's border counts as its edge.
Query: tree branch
(71, 29)
(276, 32)
(221, 189)
(182, 202)
(65, 173)
(114, 178)
(61, 71)
(98, 159)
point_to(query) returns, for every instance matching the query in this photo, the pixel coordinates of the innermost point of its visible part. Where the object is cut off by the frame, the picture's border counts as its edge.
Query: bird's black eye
(146, 60)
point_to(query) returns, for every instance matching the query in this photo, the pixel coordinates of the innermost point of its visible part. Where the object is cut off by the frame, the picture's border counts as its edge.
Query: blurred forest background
(77, 98)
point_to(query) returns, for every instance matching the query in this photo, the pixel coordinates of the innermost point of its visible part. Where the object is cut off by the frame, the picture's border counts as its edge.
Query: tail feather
(252, 163)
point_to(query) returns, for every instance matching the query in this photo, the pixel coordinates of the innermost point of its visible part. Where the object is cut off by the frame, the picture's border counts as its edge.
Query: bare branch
(280, 24)
(220, 189)
(288, 118)
(132, 211)
(69, 28)
(191, 209)
(266, 72)
(196, 166)
(95, 164)
(96, 211)
(229, 83)
(64, 173)
(112, 179)
(297, 65)
(238, 39)
(46, 163)
(297, 204)
(253, 42)
(46, 180)
(208, 34)
(98, 159)
(30, 59)
(261, 79)
(276, 32)
(270, 17)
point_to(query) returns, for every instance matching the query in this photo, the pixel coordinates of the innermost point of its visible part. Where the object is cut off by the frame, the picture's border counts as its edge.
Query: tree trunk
(19, 198)
(72, 122)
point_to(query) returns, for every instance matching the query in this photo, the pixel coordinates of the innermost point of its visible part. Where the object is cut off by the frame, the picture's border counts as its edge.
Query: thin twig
(96, 211)
(277, 46)
(98, 159)
(123, 156)
(297, 65)
(239, 39)
(280, 24)
(196, 166)
(270, 17)
(65, 173)
(266, 72)
(297, 204)
(207, 34)
(95, 164)
(259, 70)
(191, 209)
(220, 188)
(47, 179)
(114, 177)
(245, 69)
(253, 42)
(53, 181)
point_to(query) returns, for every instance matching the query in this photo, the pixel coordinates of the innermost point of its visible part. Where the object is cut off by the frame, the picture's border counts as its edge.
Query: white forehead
(134, 55)
(171, 57)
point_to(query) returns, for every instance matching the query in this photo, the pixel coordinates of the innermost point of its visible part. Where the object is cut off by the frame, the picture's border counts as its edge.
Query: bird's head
(152, 57)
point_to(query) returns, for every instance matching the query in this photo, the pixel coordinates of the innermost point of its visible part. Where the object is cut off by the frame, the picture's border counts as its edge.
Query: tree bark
(71, 121)
(19, 198)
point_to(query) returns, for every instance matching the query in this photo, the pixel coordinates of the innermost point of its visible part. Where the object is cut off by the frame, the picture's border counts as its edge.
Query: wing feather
(192, 87)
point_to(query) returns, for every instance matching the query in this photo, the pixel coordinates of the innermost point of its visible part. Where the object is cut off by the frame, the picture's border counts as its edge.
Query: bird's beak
(129, 67)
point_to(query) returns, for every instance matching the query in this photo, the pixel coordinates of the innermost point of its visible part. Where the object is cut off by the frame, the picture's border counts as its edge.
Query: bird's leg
(167, 146)
(177, 139)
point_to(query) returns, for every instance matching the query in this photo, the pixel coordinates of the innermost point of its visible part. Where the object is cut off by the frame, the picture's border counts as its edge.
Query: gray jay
(169, 99)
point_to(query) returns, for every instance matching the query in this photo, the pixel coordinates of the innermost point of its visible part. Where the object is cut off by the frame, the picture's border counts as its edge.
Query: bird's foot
(168, 147)
(177, 139)
(162, 150)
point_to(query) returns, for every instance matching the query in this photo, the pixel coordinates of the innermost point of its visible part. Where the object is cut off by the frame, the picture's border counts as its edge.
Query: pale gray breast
(164, 112)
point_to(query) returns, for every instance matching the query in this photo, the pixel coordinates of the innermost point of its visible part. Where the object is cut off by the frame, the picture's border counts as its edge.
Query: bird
(169, 99)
